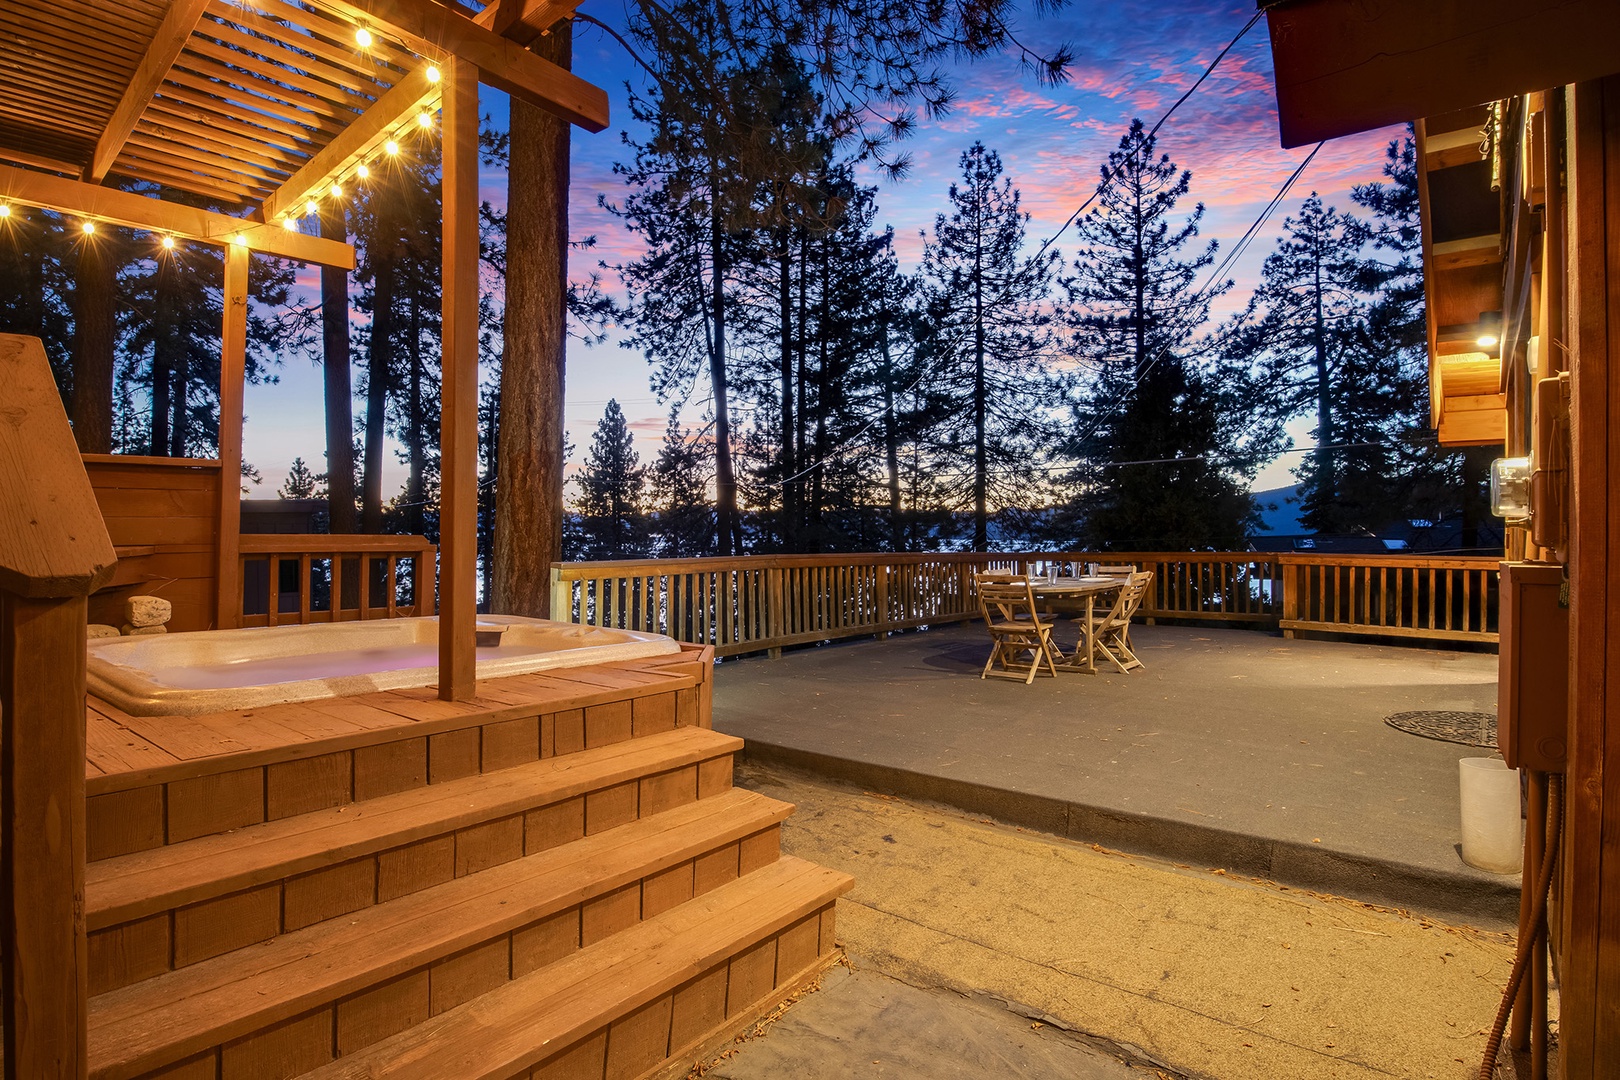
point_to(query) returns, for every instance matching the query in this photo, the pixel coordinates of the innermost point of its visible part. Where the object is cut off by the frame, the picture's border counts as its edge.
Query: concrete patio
(1232, 749)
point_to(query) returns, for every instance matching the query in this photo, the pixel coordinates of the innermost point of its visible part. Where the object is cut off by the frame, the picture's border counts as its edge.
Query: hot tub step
(365, 977)
(618, 1009)
(185, 902)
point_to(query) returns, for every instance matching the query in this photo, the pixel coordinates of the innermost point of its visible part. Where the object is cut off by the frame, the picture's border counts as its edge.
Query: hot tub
(211, 670)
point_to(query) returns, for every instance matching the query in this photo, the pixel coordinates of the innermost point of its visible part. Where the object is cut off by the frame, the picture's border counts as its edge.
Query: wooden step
(176, 905)
(382, 968)
(615, 1010)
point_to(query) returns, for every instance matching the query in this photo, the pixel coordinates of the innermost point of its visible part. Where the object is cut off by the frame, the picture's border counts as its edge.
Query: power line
(1049, 241)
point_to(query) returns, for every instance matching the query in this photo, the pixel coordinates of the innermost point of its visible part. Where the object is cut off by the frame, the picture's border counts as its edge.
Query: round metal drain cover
(1467, 728)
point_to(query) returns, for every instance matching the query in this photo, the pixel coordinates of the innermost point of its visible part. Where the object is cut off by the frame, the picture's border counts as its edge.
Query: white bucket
(1492, 828)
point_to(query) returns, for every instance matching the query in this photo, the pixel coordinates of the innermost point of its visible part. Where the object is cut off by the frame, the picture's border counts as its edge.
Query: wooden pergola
(263, 106)
(273, 107)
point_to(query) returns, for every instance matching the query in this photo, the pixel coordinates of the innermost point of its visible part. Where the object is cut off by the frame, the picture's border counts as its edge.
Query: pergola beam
(167, 44)
(360, 139)
(183, 222)
(438, 31)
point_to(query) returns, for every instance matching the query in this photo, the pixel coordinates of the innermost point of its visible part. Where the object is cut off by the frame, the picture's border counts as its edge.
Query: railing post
(54, 552)
(880, 574)
(562, 601)
(1290, 597)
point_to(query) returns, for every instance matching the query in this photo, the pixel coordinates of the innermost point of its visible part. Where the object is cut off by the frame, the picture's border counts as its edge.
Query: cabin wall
(162, 515)
(1590, 929)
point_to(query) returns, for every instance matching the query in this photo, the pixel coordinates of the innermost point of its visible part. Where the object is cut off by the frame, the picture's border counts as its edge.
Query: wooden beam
(357, 141)
(167, 44)
(436, 30)
(524, 20)
(1448, 149)
(1480, 427)
(1471, 251)
(458, 413)
(232, 372)
(1345, 66)
(1470, 374)
(183, 222)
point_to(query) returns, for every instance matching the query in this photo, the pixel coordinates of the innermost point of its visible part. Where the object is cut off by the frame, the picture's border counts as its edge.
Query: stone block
(147, 610)
(140, 631)
(100, 630)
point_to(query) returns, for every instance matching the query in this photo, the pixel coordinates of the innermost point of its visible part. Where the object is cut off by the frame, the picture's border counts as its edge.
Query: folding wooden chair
(1016, 627)
(1109, 636)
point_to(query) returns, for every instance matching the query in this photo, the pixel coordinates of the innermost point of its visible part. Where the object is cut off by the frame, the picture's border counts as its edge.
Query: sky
(1131, 60)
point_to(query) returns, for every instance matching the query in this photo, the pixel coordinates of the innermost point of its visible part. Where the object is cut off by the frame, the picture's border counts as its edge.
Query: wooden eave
(1344, 66)
(253, 105)
(1463, 275)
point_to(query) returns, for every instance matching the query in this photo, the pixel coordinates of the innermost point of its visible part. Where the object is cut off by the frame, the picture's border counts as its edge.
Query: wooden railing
(767, 602)
(1441, 599)
(309, 578)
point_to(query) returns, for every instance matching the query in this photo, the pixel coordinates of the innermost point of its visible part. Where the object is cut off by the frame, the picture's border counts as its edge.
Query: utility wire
(1049, 241)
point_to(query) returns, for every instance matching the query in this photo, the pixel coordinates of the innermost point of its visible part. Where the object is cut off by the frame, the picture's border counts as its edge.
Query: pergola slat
(281, 71)
(270, 88)
(166, 47)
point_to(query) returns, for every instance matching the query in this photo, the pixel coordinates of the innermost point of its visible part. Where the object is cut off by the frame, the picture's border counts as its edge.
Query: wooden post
(1589, 1038)
(458, 418)
(232, 370)
(54, 552)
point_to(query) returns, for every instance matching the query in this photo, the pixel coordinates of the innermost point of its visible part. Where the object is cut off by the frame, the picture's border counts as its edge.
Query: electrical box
(1532, 717)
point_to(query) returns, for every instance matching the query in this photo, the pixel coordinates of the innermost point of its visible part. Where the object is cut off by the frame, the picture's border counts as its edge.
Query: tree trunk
(784, 305)
(163, 348)
(1326, 486)
(335, 372)
(529, 470)
(377, 379)
(177, 407)
(891, 435)
(725, 477)
(981, 463)
(94, 281)
(416, 433)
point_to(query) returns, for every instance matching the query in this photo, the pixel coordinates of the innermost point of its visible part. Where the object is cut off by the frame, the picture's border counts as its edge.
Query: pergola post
(232, 371)
(458, 412)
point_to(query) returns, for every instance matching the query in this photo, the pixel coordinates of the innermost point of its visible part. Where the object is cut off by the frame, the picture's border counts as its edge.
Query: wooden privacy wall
(755, 603)
(162, 515)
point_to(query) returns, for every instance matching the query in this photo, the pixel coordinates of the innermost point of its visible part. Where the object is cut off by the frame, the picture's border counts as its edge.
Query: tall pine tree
(610, 491)
(1157, 472)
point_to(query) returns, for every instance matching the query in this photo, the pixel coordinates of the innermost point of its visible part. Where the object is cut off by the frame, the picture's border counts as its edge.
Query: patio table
(1076, 593)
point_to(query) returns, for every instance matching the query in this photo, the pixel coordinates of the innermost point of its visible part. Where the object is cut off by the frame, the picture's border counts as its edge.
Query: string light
(425, 119)
(240, 240)
(337, 191)
(390, 147)
(168, 243)
(432, 73)
(311, 206)
(289, 224)
(362, 172)
(5, 211)
(88, 228)
(362, 37)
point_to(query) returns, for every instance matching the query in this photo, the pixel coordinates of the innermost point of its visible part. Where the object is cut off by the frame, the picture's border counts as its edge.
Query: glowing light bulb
(88, 228)
(362, 172)
(1485, 341)
(425, 119)
(240, 240)
(311, 206)
(362, 38)
(337, 191)
(168, 243)
(289, 224)
(432, 74)
(390, 147)
(5, 211)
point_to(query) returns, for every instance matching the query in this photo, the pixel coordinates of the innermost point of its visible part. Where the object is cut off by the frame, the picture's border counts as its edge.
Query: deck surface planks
(128, 750)
(176, 1014)
(499, 1034)
(132, 886)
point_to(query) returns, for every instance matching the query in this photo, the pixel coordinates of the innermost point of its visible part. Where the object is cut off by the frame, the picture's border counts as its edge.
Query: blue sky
(1131, 60)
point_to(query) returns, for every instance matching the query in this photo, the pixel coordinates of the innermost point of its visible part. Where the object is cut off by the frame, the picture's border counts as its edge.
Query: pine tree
(302, 483)
(684, 521)
(1159, 472)
(610, 486)
(987, 302)
(1306, 329)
